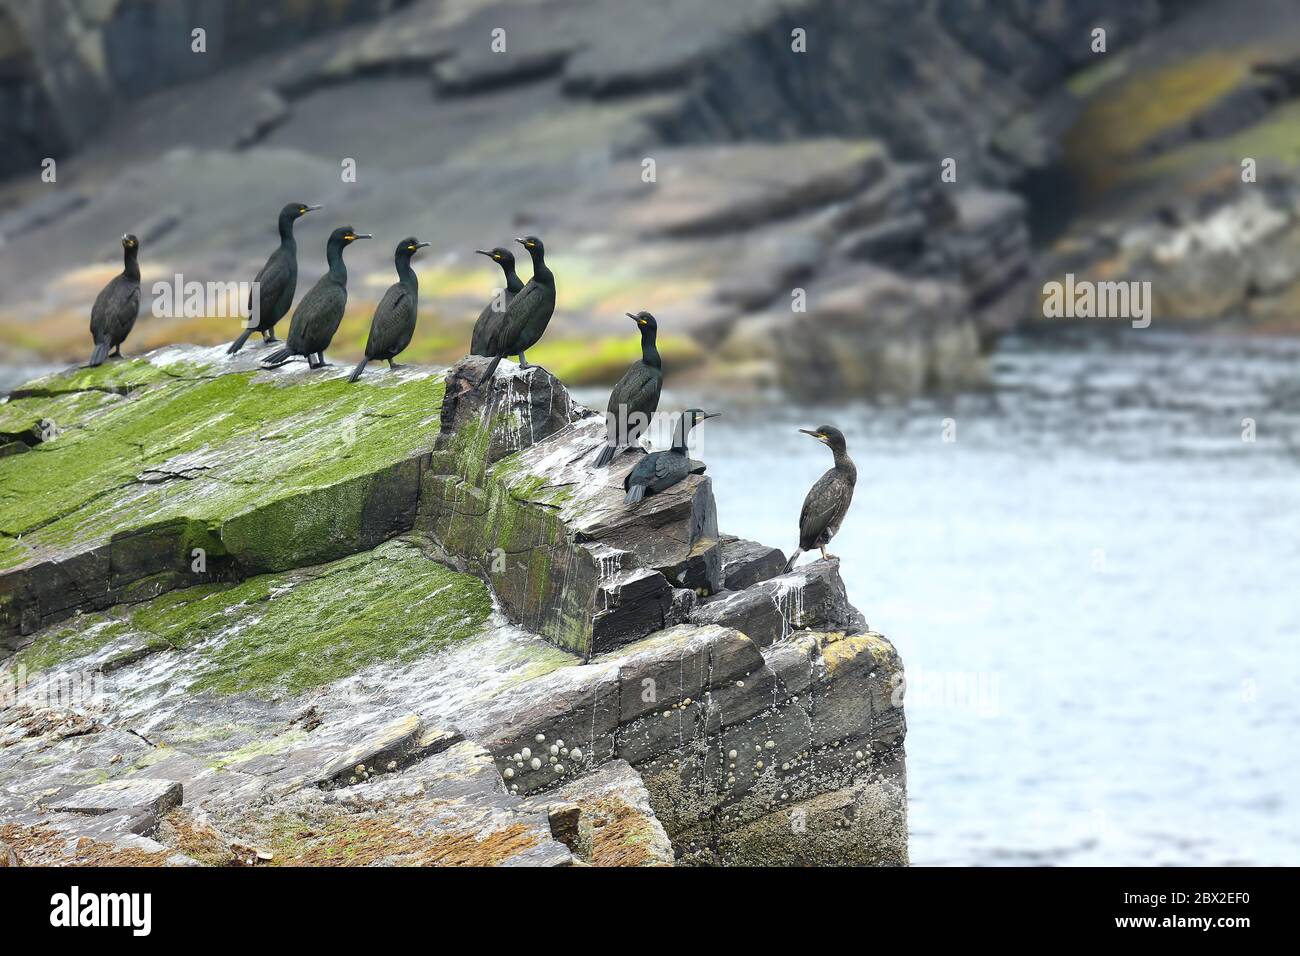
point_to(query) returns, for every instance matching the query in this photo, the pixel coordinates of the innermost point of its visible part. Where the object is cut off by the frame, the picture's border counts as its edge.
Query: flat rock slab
(748, 562)
(140, 795)
(188, 466)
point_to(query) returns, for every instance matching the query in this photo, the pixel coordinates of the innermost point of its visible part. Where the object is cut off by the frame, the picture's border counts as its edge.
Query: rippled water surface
(1095, 590)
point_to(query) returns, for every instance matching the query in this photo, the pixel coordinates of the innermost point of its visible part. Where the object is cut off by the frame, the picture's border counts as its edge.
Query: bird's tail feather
(634, 494)
(606, 455)
(277, 358)
(238, 344)
(98, 355)
(491, 369)
(356, 372)
(789, 565)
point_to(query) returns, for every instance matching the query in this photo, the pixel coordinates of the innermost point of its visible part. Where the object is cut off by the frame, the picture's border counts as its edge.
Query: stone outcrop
(503, 667)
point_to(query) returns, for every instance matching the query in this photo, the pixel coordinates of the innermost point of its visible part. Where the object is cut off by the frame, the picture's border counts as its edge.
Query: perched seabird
(319, 313)
(113, 315)
(393, 324)
(491, 314)
(276, 281)
(525, 319)
(829, 499)
(634, 399)
(663, 469)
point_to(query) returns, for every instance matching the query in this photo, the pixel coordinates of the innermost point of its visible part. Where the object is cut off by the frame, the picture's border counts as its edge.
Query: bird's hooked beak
(709, 415)
(307, 209)
(421, 245)
(635, 318)
(363, 235)
(818, 435)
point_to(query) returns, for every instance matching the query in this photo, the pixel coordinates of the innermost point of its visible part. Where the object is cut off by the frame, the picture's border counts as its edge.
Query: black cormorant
(636, 396)
(828, 500)
(113, 315)
(276, 282)
(663, 469)
(526, 317)
(319, 313)
(394, 320)
(491, 314)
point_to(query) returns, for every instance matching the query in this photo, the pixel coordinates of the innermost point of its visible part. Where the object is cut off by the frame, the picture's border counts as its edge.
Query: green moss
(391, 605)
(67, 642)
(249, 444)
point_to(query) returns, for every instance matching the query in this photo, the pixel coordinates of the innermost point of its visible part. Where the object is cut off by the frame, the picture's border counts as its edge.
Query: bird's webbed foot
(394, 365)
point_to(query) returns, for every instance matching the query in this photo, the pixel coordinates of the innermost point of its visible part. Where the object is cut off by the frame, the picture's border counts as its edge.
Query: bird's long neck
(541, 274)
(681, 433)
(844, 464)
(334, 256)
(405, 274)
(286, 230)
(649, 350)
(130, 265)
(513, 282)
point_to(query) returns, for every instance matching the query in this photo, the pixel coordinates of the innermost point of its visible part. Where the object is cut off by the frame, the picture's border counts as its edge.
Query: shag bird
(319, 313)
(663, 469)
(636, 396)
(113, 315)
(828, 500)
(276, 282)
(491, 314)
(529, 312)
(394, 321)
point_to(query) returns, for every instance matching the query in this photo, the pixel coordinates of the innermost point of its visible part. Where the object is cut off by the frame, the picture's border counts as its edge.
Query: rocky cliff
(273, 618)
(795, 207)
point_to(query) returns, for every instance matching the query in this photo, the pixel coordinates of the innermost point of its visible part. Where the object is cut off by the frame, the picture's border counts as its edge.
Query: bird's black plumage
(393, 323)
(636, 395)
(491, 314)
(114, 313)
(660, 470)
(829, 498)
(528, 314)
(319, 313)
(276, 281)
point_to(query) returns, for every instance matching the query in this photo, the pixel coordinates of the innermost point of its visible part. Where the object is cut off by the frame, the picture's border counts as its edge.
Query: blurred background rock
(775, 170)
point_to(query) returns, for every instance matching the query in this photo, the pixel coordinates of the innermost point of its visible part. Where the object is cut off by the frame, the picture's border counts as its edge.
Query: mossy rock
(136, 464)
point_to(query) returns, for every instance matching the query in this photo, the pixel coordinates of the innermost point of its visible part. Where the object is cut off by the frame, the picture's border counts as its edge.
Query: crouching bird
(319, 313)
(634, 399)
(829, 498)
(116, 307)
(393, 324)
(277, 280)
(661, 470)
